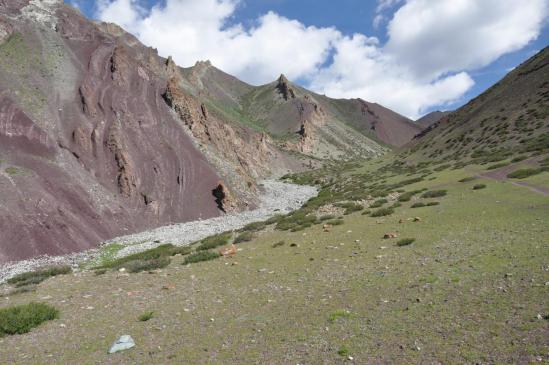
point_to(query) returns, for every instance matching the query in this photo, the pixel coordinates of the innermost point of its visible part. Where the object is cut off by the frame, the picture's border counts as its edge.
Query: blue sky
(461, 80)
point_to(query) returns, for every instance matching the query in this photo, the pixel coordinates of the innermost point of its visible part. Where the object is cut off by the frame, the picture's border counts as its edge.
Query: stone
(125, 342)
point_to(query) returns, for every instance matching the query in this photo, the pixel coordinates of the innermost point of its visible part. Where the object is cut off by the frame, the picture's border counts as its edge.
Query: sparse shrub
(214, 241)
(274, 219)
(434, 194)
(497, 166)
(378, 203)
(23, 318)
(432, 204)
(524, 173)
(519, 158)
(255, 226)
(408, 196)
(366, 212)
(340, 313)
(244, 237)
(343, 351)
(12, 171)
(100, 272)
(326, 217)
(350, 207)
(279, 244)
(405, 242)
(147, 265)
(38, 276)
(335, 222)
(180, 250)
(145, 316)
(201, 256)
(479, 186)
(164, 250)
(417, 205)
(382, 212)
(467, 179)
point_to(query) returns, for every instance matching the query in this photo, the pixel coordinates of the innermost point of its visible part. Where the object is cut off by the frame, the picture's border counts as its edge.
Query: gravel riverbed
(277, 198)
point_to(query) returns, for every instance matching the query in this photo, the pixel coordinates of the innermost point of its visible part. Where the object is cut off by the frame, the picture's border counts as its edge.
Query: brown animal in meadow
(327, 227)
(390, 235)
(228, 251)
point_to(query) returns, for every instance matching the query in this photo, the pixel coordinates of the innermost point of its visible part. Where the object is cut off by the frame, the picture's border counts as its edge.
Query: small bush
(201, 256)
(146, 316)
(335, 222)
(350, 207)
(340, 313)
(417, 205)
(432, 204)
(326, 217)
(279, 244)
(467, 179)
(244, 237)
(274, 219)
(405, 241)
(434, 194)
(22, 318)
(382, 212)
(524, 173)
(378, 203)
(479, 186)
(147, 265)
(519, 158)
(497, 166)
(255, 226)
(164, 250)
(38, 276)
(366, 212)
(407, 196)
(343, 351)
(214, 241)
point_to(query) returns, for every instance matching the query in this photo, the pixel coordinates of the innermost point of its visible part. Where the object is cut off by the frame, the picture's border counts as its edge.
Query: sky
(413, 56)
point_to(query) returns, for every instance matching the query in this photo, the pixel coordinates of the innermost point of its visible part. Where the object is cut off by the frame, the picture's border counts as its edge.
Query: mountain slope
(511, 117)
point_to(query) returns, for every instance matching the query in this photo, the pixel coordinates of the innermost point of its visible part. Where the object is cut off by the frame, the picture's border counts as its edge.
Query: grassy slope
(468, 290)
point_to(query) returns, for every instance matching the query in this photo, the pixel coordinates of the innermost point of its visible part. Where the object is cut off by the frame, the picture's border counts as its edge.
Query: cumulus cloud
(431, 45)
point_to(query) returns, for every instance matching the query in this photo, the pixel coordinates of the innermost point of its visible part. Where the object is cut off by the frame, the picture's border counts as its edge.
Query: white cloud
(443, 36)
(431, 46)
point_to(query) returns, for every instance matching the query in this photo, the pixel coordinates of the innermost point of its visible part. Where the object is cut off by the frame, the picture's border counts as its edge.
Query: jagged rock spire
(285, 88)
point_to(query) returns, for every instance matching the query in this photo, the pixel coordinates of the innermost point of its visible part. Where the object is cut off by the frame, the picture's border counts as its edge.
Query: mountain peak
(285, 88)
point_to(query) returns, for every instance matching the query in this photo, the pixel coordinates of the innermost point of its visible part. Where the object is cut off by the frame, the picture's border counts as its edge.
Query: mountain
(510, 118)
(100, 136)
(431, 118)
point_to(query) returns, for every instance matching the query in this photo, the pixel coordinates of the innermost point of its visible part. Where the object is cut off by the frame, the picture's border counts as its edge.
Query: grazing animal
(390, 235)
(327, 227)
(228, 251)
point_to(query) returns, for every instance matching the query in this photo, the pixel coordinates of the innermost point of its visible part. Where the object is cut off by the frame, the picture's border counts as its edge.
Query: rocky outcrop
(285, 89)
(224, 199)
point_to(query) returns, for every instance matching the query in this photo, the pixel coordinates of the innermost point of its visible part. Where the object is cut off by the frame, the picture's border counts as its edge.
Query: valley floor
(472, 288)
(277, 198)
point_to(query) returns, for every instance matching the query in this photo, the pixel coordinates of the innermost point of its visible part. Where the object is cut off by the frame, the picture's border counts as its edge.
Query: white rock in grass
(125, 342)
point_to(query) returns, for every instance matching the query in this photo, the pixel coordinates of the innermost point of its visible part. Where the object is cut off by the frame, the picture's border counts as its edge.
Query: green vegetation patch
(524, 173)
(405, 242)
(201, 256)
(23, 318)
(244, 237)
(146, 316)
(38, 276)
(341, 313)
(382, 212)
(479, 186)
(434, 194)
(146, 260)
(214, 241)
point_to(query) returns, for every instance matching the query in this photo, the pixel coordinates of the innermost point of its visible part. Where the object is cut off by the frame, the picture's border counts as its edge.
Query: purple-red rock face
(88, 147)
